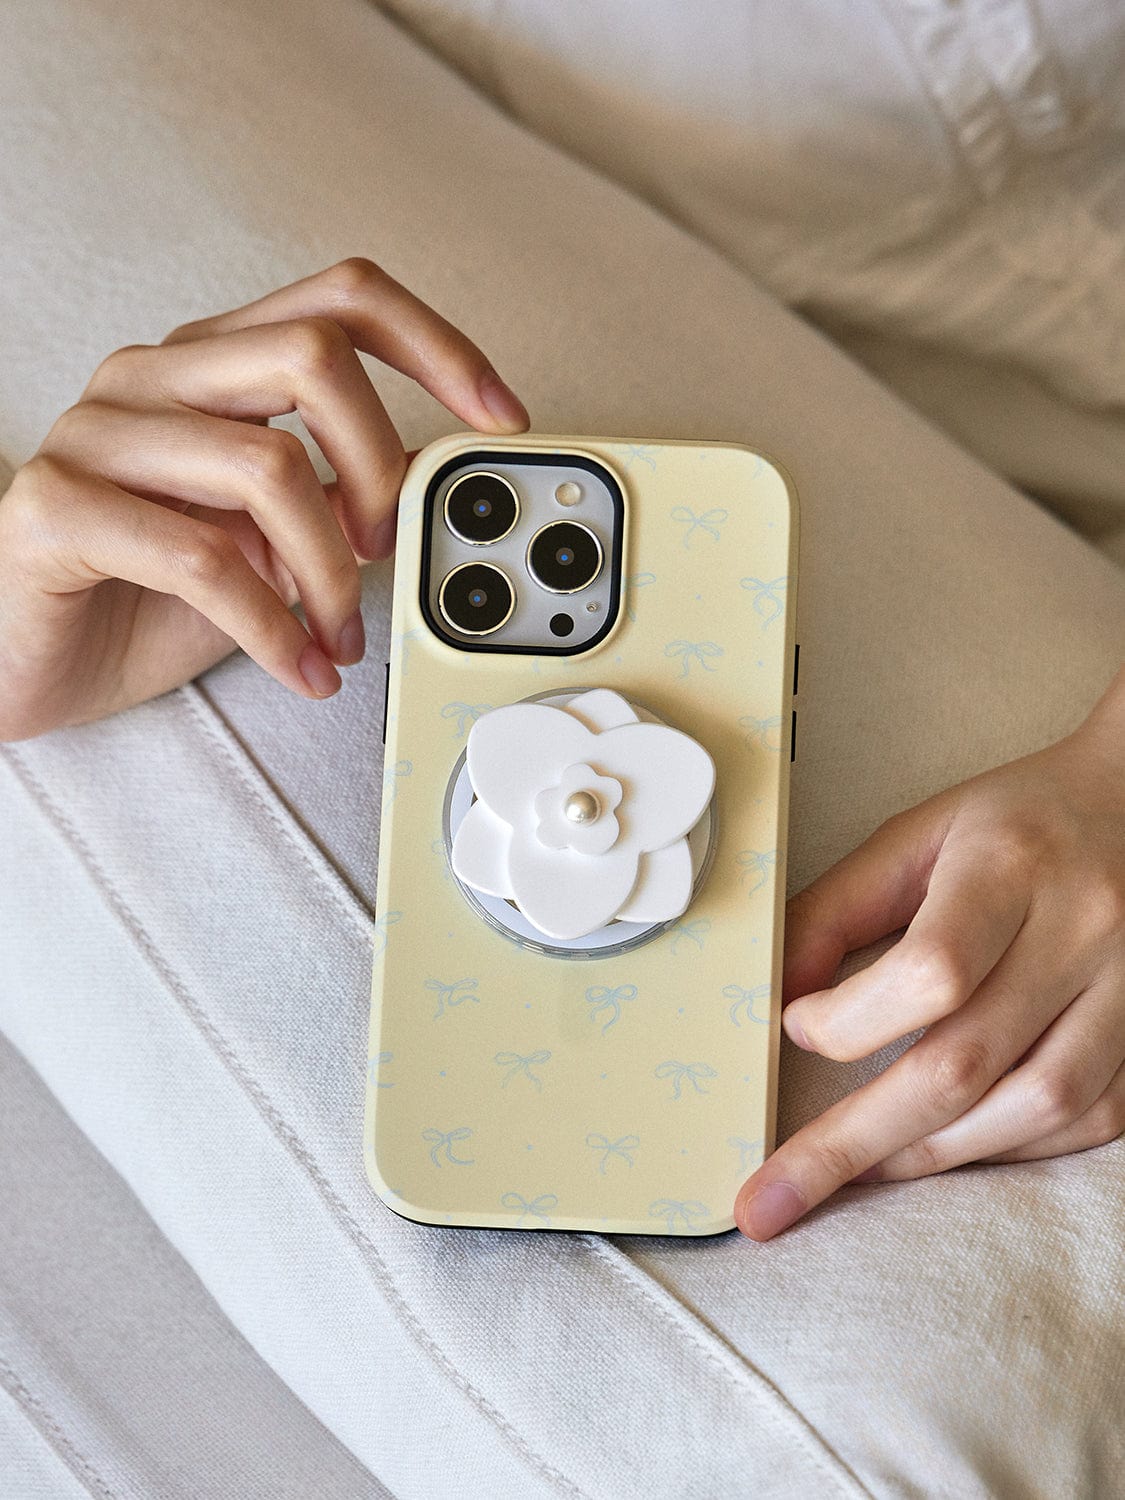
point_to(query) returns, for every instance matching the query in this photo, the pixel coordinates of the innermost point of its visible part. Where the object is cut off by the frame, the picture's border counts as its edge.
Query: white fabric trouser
(187, 888)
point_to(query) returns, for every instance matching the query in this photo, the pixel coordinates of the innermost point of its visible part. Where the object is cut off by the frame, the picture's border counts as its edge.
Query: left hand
(1013, 886)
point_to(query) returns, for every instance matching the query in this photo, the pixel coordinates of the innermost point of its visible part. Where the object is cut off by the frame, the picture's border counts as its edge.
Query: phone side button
(386, 696)
(793, 737)
(796, 665)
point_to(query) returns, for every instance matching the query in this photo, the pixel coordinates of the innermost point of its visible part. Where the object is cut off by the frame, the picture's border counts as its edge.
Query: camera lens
(481, 508)
(564, 557)
(476, 598)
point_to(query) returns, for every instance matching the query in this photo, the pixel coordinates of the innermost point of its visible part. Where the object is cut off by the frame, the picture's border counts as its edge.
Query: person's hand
(1013, 886)
(162, 523)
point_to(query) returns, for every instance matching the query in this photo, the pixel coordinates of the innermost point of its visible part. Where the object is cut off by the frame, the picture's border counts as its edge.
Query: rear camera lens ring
(579, 550)
(472, 522)
(496, 593)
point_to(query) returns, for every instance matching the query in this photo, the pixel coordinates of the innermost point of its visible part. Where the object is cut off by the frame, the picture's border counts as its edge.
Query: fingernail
(352, 641)
(383, 538)
(771, 1209)
(796, 1032)
(318, 671)
(503, 405)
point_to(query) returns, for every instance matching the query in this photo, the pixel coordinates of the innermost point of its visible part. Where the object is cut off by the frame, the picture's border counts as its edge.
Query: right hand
(162, 523)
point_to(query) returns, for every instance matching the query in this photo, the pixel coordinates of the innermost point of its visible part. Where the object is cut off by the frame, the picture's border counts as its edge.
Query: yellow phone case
(627, 1094)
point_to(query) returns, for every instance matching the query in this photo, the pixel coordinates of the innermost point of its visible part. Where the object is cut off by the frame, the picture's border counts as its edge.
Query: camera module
(564, 557)
(481, 508)
(476, 598)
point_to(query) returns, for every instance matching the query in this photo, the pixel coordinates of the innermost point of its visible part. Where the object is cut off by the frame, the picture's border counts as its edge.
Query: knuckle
(351, 279)
(938, 971)
(1016, 848)
(117, 369)
(1105, 904)
(955, 1074)
(274, 458)
(1055, 1099)
(207, 556)
(315, 345)
(25, 505)
(841, 1159)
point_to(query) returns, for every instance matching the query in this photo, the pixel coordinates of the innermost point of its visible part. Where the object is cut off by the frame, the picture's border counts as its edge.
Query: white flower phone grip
(592, 824)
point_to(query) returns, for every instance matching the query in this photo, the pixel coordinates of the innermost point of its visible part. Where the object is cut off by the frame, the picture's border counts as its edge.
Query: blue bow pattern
(517, 1064)
(702, 652)
(400, 643)
(455, 993)
(538, 1208)
(394, 774)
(442, 1140)
(756, 862)
(693, 932)
(750, 1153)
(710, 522)
(637, 581)
(621, 1147)
(766, 732)
(767, 605)
(379, 930)
(693, 1073)
(600, 998)
(744, 1000)
(465, 714)
(640, 452)
(672, 1210)
(373, 1066)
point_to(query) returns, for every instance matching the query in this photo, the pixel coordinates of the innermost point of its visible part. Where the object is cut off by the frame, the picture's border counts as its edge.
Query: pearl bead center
(582, 807)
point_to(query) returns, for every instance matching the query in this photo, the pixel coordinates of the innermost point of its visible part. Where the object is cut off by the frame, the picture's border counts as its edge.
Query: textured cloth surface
(941, 186)
(118, 1365)
(187, 887)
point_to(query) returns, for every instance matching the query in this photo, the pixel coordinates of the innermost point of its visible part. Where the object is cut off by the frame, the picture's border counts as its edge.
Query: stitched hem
(53, 1433)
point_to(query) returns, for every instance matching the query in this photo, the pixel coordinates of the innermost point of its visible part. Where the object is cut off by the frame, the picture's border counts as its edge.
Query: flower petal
(480, 852)
(568, 895)
(663, 888)
(668, 780)
(601, 708)
(516, 751)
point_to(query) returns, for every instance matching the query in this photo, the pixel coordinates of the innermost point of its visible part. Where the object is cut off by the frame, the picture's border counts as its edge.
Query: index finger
(385, 319)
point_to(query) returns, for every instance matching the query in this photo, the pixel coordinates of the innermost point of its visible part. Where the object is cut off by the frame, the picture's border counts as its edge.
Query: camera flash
(568, 493)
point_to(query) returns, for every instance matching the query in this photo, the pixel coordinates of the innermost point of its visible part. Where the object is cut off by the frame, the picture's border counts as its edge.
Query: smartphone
(589, 726)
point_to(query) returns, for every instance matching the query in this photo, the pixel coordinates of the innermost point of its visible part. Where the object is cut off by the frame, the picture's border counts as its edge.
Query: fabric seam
(53, 1433)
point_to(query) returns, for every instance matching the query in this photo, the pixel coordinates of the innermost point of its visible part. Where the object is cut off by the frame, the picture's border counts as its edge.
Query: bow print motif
(766, 602)
(442, 1140)
(621, 1147)
(767, 732)
(466, 715)
(379, 931)
(747, 1151)
(637, 581)
(600, 998)
(452, 994)
(536, 1209)
(517, 1064)
(709, 522)
(373, 1066)
(641, 452)
(697, 651)
(671, 1210)
(391, 779)
(756, 862)
(744, 1000)
(692, 1073)
(694, 931)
